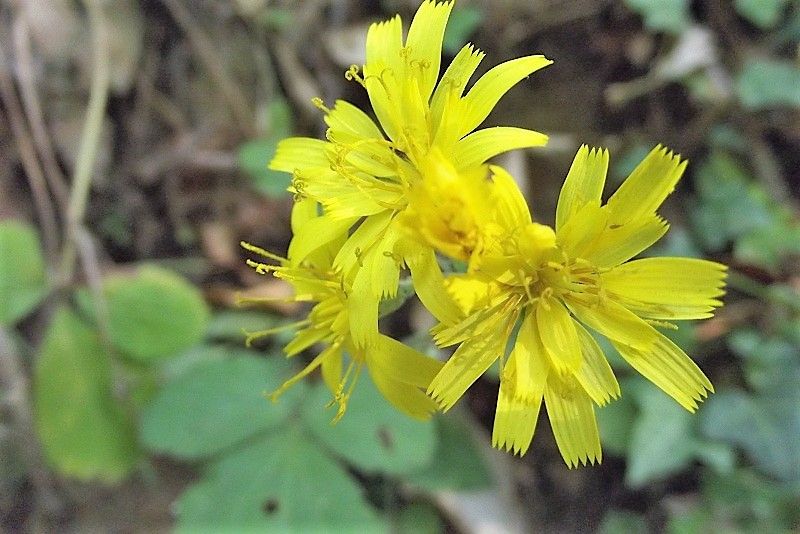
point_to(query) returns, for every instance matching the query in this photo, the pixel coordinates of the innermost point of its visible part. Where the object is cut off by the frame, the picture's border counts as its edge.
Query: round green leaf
(22, 279)
(283, 483)
(372, 435)
(216, 404)
(154, 314)
(84, 431)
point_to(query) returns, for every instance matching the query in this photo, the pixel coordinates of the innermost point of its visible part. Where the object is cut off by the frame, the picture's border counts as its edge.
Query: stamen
(261, 252)
(320, 104)
(253, 336)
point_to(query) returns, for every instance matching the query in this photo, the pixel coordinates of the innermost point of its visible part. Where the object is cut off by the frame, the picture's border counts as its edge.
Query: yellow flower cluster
(375, 200)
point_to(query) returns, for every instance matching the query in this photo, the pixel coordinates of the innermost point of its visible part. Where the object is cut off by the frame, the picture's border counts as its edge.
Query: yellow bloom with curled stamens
(552, 286)
(365, 175)
(400, 373)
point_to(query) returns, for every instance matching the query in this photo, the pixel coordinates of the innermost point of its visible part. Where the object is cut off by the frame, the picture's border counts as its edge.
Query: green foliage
(765, 237)
(763, 13)
(671, 16)
(458, 462)
(224, 402)
(274, 466)
(372, 435)
(255, 155)
(154, 314)
(280, 483)
(84, 431)
(616, 521)
(22, 279)
(462, 23)
(767, 83)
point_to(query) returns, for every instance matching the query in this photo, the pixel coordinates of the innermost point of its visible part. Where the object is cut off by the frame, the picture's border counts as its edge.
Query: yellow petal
(514, 421)
(557, 332)
(382, 71)
(595, 375)
(619, 243)
(511, 209)
(384, 264)
(429, 281)
(303, 210)
(332, 371)
(572, 419)
(467, 291)
(315, 234)
(648, 185)
(490, 88)
(579, 233)
(424, 43)
(402, 363)
(470, 360)
(347, 118)
(362, 309)
(454, 81)
(668, 288)
(299, 153)
(614, 321)
(584, 183)
(304, 339)
(528, 362)
(408, 399)
(479, 146)
(669, 368)
(362, 239)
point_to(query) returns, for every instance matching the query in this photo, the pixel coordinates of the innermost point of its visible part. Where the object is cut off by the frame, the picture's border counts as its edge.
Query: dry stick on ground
(30, 163)
(90, 137)
(204, 48)
(30, 100)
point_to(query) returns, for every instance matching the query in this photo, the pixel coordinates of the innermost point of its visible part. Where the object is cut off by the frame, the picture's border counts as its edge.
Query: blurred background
(135, 138)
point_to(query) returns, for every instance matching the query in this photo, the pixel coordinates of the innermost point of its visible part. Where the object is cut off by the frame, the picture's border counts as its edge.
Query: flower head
(549, 285)
(400, 373)
(422, 147)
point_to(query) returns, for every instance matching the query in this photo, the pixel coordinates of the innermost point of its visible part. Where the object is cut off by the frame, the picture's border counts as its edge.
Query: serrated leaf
(282, 483)
(457, 463)
(763, 13)
(84, 431)
(671, 16)
(22, 277)
(216, 404)
(768, 84)
(372, 435)
(155, 314)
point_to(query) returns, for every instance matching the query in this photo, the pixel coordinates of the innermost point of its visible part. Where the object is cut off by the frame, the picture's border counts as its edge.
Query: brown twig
(30, 100)
(204, 48)
(90, 137)
(30, 163)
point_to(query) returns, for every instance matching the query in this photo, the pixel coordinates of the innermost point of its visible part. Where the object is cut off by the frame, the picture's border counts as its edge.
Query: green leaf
(767, 426)
(768, 360)
(768, 84)
(84, 431)
(661, 439)
(216, 404)
(615, 422)
(420, 518)
(671, 16)
(232, 324)
(462, 23)
(372, 435)
(155, 314)
(726, 191)
(616, 521)
(283, 483)
(457, 463)
(22, 279)
(763, 13)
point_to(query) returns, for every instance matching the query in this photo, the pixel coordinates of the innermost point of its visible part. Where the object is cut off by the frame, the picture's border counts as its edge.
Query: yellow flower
(551, 285)
(400, 373)
(367, 174)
